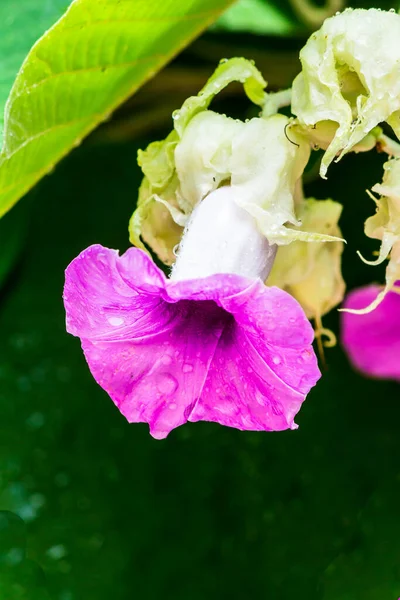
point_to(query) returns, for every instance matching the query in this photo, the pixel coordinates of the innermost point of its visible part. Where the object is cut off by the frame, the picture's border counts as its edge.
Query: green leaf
(93, 59)
(22, 22)
(256, 16)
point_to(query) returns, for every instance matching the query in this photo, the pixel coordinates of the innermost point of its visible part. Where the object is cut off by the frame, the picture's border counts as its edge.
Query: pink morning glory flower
(372, 340)
(211, 342)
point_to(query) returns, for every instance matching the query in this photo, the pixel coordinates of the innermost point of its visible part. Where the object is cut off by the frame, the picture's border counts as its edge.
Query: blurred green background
(93, 507)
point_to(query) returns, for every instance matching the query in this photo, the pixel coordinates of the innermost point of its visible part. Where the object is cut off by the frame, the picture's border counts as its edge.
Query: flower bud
(312, 272)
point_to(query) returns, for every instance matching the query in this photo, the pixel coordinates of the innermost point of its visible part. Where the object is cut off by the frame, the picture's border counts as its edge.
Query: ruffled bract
(350, 80)
(385, 226)
(257, 158)
(311, 273)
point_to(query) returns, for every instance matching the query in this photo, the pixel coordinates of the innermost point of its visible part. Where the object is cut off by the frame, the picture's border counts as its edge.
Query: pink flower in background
(221, 348)
(372, 340)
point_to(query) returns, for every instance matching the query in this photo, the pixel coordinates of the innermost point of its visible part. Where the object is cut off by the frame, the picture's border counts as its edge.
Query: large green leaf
(95, 57)
(22, 22)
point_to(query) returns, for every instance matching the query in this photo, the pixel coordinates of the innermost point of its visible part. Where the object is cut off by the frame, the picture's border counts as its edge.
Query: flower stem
(312, 15)
(275, 101)
(386, 144)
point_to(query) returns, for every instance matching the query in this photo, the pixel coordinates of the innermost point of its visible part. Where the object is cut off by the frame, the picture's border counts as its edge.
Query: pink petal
(223, 348)
(372, 341)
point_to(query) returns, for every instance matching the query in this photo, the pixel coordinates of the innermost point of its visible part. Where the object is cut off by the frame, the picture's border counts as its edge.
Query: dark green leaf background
(210, 512)
(94, 508)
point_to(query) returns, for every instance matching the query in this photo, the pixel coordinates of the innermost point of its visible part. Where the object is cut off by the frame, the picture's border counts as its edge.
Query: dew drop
(166, 384)
(305, 355)
(276, 360)
(166, 359)
(35, 421)
(116, 321)
(187, 368)
(56, 552)
(172, 406)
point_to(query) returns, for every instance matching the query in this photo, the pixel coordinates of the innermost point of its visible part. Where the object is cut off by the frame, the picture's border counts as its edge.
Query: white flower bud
(221, 237)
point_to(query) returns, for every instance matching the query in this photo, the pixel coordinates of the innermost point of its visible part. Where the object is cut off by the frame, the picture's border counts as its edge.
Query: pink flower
(372, 340)
(222, 348)
(211, 342)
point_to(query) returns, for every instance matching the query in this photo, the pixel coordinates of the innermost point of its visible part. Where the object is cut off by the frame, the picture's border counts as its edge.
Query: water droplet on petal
(116, 321)
(166, 384)
(187, 368)
(276, 360)
(305, 355)
(166, 359)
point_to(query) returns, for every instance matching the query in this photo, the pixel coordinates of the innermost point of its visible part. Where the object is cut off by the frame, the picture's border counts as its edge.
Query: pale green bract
(159, 216)
(385, 226)
(256, 158)
(350, 79)
(312, 272)
(234, 69)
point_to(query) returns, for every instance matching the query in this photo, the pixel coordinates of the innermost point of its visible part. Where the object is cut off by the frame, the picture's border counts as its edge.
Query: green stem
(314, 16)
(277, 100)
(386, 144)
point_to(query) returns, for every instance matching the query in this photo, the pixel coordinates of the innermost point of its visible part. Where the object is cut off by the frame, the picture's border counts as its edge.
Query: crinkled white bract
(385, 226)
(257, 158)
(351, 77)
(158, 219)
